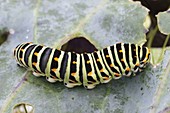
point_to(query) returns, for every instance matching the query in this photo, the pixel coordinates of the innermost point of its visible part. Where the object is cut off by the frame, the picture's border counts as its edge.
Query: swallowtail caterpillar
(87, 69)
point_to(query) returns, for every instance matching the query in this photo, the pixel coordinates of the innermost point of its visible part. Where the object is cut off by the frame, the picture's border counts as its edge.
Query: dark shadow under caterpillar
(88, 69)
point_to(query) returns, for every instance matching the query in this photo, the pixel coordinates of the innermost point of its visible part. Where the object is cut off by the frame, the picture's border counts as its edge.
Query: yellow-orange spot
(74, 62)
(111, 65)
(137, 64)
(147, 55)
(20, 58)
(135, 56)
(36, 54)
(117, 74)
(102, 70)
(107, 56)
(106, 78)
(54, 69)
(120, 51)
(122, 60)
(149, 50)
(88, 62)
(98, 60)
(73, 74)
(34, 63)
(55, 58)
(90, 73)
(144, 61)
(128, 69)
(22, 50)
(134, 50)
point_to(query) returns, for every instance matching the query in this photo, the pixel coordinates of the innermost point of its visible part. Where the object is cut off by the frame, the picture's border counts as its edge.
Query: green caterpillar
(88, 69)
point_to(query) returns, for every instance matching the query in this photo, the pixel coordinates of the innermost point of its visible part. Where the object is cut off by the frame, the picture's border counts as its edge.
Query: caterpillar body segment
(87, 69)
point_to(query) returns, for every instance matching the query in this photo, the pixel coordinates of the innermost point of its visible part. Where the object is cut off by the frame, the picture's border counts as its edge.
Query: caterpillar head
(18, 52)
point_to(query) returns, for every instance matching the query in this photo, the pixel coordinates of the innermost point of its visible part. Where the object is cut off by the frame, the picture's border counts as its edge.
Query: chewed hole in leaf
(79, 45)
(23, 108)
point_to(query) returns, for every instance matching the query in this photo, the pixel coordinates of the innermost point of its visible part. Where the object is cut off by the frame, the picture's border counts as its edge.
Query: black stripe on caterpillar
(88, 69)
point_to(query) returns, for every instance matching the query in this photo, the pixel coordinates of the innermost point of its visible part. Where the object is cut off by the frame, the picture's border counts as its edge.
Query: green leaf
(53, 23)
(163, 21)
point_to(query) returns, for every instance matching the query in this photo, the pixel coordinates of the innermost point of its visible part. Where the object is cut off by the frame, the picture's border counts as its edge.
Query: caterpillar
(87, 69)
